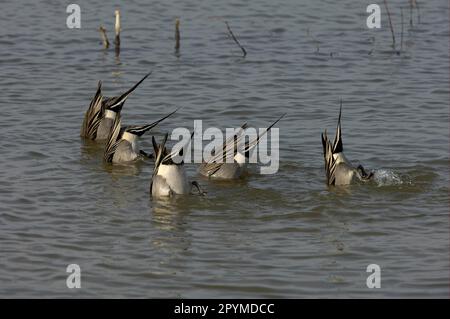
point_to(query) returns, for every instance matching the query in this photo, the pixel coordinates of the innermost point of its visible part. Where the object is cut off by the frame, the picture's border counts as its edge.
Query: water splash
(386, 177)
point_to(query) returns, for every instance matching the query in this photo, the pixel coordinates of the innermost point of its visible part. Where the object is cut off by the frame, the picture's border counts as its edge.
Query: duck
(231, 163)
(169, 177)
(339, 171)
(123, 143)
(102, 113)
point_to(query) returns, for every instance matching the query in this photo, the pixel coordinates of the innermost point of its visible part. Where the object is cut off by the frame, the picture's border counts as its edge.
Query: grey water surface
(282, 235)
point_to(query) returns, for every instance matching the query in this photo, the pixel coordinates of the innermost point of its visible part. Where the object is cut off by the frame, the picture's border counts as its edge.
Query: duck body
(106, 125)
(100, 117)
(231, 162)
(169, 177)
(225, 170)
(126, 149)
(345, 174)
(170, 180)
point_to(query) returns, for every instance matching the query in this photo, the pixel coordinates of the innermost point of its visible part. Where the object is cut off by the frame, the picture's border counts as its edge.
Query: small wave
(386, 177)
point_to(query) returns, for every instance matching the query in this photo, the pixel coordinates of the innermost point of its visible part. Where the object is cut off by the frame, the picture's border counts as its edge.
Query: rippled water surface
(282, 235)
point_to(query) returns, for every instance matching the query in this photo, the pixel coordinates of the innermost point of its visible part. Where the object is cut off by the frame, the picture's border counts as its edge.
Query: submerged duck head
(363, 174)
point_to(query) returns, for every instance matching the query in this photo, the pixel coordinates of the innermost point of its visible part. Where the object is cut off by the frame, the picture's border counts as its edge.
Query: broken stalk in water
(390, 24)
(104, 37)
(235, 40)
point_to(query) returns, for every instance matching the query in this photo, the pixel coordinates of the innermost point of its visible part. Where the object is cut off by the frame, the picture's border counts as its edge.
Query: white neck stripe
(129, 137)
(110, 114)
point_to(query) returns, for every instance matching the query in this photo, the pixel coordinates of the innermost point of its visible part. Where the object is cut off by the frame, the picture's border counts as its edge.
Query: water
(282, 235)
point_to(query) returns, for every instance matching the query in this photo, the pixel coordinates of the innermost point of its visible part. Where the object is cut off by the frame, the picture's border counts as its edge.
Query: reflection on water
(173, 239)
(124, 169)
(166, 214)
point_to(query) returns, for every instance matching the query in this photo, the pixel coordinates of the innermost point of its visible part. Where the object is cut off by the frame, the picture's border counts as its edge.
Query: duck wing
(113, 140)
(330, 162)
(229, 150)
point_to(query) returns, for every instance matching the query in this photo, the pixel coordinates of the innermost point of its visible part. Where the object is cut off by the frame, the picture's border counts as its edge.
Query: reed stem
(104, 37)
(418, 11)
(177, 34)
(235, 40)
(390, 24)
(401, 36)
(117, 29)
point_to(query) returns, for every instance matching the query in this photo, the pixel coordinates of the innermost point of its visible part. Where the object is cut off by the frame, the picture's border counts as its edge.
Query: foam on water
(386, 177)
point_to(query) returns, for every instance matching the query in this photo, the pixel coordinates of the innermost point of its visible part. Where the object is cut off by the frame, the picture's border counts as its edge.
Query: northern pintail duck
(231, 163)
(169, 178)
(102, 112)
(339, 171)
(122, 146)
